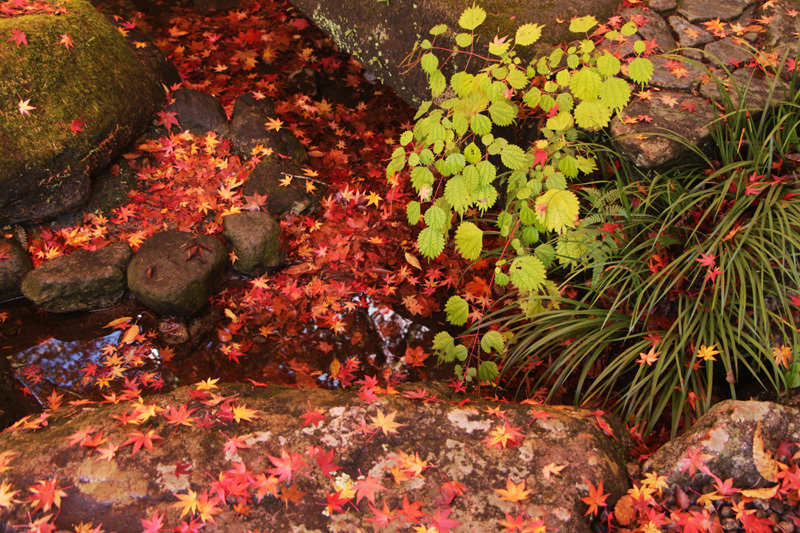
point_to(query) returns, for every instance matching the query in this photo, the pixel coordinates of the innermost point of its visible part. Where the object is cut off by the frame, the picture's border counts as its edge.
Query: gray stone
(781, 34)
(689, 35)
(175, 272)
(725, 434)
(688, 76)
(256, 240)
(752, 82)
(662, 5)
(381, 35)
(248, 129)
(198, 111)
(449, 442)
(46, 167)
(81, 281)
(645, 143)
(698, 10)
(15, 263)
(651, 26)
(731, 52)
(294, 198)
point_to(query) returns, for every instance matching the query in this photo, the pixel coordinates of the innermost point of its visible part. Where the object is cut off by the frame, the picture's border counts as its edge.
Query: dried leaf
(762, 458)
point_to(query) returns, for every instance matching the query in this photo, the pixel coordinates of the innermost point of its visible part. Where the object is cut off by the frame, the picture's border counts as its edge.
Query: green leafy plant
(461, 166)
(700, 286)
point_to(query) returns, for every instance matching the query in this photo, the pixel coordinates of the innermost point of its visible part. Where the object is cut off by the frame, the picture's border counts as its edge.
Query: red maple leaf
(595, 498)
(66, 40)
(77, 126)
(19, 37)
(139, 439)
(367, 487)
(154, 525)
(286, 464)
(45, 495)
(325, 462)
(312, 417)
(383, 517)
(442, 522)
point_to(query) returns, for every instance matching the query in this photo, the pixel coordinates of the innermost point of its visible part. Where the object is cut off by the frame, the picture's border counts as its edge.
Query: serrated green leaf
(457, 310)
(514, 158)
(487, 172)
(504, 222)
(438, 29)
(585, 84)
(557, 210)
(532, 97)
(560, 122)
(628, 29)
(460, 82)
(639, 47)
(413, 159)
(568, 166)
(472, 153)
(527, 273)
(406, 137)
(455, 162)
(480, 124)
(546, 254)
(526, 215)
(503, 113)
(431, 243)
(425, 157)
(528, 34)
(582, 24)
(429, 63)
(615, 93)
(563, 77)
(437, 82)
(443, 341)
(572, 246)
(423, 108)
(608, 65)
(460, 352)
(458, 194)
(426, 44)
(530, 235)
(413, 210)
(573, 61)
(435, 218)
(517, 79)
(498, 48)
(592, 115)
(463, 40)
(471, 177)
(472, 17)
(547, 102)
(555, 57)
(488, 371)
(484, 197)
(640, 70)
(492, 340)
(469, 241)
(501, 279)
(421, 177)
(556, 180)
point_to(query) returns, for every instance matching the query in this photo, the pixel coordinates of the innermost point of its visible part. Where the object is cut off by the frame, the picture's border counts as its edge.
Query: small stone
(777, 505)
(175, 272)
(730, 51)
(698, 10)
(14, 265)
(304, 81)
(173, 331)
(761, 504)
(730, 524)
(689, 35)
(81, 281)
(655, 27)
(294, 197)
(198, 111)
(785, 526)
(727, 511)
(256, 240)
(663, 5)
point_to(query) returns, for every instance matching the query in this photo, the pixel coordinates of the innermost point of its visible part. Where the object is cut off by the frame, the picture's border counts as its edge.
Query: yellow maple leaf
(386, 423)
(707, 353)
(208, 384)
(373, 198)
(241, 412)
(274, 124)
(7, 496)
(513, 492)
(187, 503)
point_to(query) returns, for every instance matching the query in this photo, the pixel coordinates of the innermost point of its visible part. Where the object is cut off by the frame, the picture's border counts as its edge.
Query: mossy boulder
(14, 264)
(98, 84)
(382, 34)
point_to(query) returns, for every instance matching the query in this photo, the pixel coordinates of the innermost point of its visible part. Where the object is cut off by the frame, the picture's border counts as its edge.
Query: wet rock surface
(285, 185)
(453, 469)
(249, 129)
(198, 111)
(15, 263)
(81, 281)
(175, 272)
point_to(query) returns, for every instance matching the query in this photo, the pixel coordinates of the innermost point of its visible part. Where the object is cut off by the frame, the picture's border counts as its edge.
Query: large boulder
(71, 100)
(275, 459)
(727, 441)
(175, 272)
(382, 34)
(256, 240)
(81, 281)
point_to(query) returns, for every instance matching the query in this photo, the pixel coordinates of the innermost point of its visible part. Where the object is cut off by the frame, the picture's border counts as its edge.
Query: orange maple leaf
(595, 498)
(513, 492)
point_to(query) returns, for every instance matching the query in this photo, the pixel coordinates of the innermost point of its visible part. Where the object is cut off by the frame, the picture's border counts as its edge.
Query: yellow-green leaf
(457, 310)
(585, 84)
(592, 115)
(472, 17)
(431, 243)
(582, 24)
(469, 241)
(492, 340)
(557, 209)
(528, 34)
(640, 70)
(615, 93)
(527, 273)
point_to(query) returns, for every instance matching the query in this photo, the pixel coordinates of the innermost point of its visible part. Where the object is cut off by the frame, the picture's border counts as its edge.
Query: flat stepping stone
(699, 10)
(81, 281)
(645, 144)
(175, 272)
